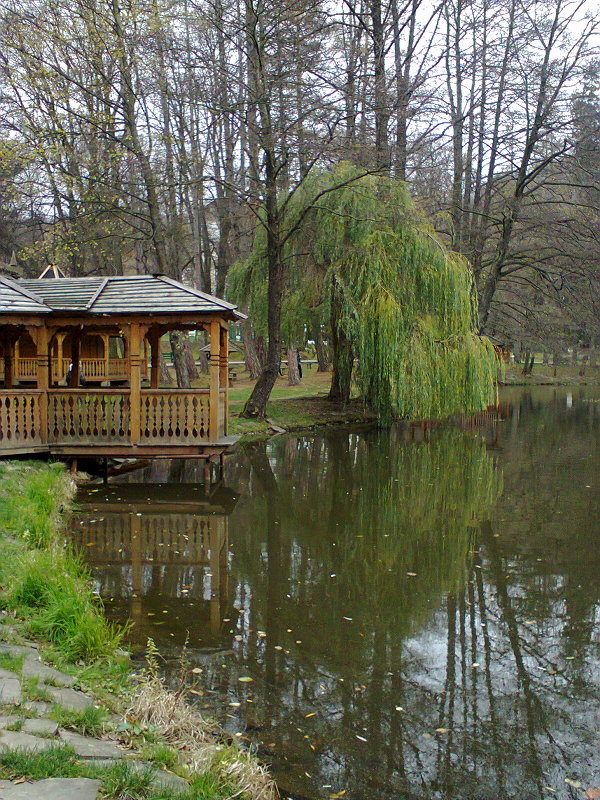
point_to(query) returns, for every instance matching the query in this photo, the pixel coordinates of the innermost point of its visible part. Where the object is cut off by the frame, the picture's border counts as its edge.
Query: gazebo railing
(106, 416)
(20, 419)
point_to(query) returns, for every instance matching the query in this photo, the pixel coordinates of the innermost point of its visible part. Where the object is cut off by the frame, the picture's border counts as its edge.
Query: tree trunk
(323, 360)
(189, 357)
(293, 371)
(180, 360)
(251, 356)
(342, 356)
(256, 405)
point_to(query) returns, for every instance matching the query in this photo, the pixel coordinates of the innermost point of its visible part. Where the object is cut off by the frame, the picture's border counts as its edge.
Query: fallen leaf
(197, 671)
(574, 784)
(245, 679)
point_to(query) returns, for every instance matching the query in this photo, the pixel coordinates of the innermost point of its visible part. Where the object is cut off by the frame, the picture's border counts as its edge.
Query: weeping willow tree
(402, 309)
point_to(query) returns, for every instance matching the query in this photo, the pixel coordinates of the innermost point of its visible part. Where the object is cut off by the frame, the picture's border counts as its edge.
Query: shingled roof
(146, 294)
(16, 299)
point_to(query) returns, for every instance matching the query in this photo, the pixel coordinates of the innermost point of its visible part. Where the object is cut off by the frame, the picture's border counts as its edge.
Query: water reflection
(159, 549)
(417, 608)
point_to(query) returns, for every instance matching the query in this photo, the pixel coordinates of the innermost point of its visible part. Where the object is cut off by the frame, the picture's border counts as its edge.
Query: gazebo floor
(207, 450)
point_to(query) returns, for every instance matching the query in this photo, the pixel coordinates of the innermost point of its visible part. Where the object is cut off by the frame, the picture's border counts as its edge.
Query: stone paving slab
(37, 707)
(51, 789)
(20, 650)
(35, 669)
(88, 747)
(7, 675)
(11, 740)
(40, 727)
(70, 699)
(6, 722)
(10, 690)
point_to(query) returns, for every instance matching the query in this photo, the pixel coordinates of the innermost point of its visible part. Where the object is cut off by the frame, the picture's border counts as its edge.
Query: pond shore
(305, 407)
(74, 715)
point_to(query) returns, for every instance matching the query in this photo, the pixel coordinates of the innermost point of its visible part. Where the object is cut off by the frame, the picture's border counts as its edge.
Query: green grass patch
(160, 754)
(31, 498)
(91, 721)
(34, 692)
(49, 590)
(56, 762)
(11, 663)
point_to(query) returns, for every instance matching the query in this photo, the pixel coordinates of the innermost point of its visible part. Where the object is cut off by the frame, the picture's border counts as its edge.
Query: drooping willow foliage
(364, 259)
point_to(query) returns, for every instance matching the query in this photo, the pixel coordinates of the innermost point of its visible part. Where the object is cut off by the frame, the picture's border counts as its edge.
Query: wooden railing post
(135, 380)
(224, 374)
(43, 379)
(154, 337)
(214, 371)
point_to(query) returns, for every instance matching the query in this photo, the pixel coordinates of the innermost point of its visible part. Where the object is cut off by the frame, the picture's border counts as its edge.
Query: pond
(410, 613)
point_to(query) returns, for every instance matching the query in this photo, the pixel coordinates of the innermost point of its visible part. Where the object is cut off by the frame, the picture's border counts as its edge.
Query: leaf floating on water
(476, 664)
(245, 679)
(278, 647)
(312, 714)
(399, 708)
(412, 574)
(349, 619)
(362, 738)
(197, 671)
(261, 634)
(441, 730)
(235, 705)
(574, 784)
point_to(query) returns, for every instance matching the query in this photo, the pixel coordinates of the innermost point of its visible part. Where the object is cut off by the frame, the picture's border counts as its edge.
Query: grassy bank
(302, 407)
(293, 408)
(46, 595)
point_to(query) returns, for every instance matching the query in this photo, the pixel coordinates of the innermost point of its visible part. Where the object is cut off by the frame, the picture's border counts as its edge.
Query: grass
(91, 721)
(56, 762)
(32, 496)
(49, 590)
(160, 754)
(11, 663)
(34, 692)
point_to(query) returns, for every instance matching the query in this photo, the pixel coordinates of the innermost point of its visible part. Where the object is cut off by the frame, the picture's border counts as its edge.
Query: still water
(418, 611)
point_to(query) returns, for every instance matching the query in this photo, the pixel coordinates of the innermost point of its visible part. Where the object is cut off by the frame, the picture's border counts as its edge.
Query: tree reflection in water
(418, 619)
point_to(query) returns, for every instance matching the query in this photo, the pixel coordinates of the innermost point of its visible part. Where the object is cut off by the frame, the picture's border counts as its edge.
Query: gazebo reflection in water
(158, 555)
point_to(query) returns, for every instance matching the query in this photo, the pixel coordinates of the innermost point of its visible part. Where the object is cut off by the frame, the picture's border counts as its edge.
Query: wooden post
(224, 373)
(214, 370)
(105, 340)
(154, 337)
(135, 380)
(75, 357)
(9, 362)
(16, 360)
(43, 378)
(58, 373)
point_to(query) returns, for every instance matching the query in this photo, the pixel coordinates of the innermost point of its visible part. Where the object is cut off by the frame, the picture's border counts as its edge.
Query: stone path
(36, 732)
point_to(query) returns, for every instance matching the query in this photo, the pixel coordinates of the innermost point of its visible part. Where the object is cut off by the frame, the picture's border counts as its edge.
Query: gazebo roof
(17, 299)
(131, 294)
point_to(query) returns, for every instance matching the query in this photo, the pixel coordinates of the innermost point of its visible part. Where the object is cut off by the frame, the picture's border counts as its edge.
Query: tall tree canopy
(358, 251)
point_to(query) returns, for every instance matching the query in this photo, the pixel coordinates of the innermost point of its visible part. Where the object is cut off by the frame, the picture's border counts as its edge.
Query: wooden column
(105, 341)
(9, 362)
(214, 370)
(224, 373)
(43, 378)
(154, 337)
(58, 374)
(135, 379)
(75, 359)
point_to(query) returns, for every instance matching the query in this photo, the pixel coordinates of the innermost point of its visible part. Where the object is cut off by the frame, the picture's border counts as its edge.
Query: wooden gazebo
(54, 332)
